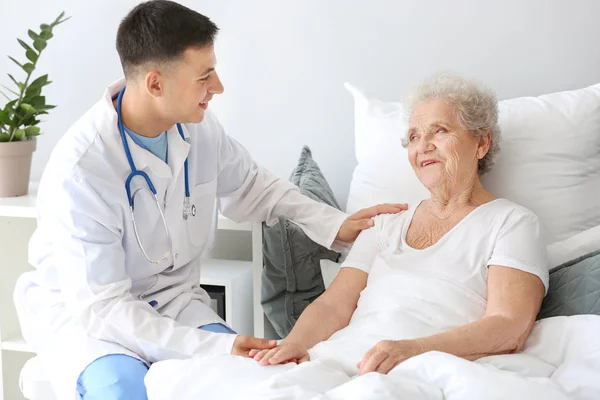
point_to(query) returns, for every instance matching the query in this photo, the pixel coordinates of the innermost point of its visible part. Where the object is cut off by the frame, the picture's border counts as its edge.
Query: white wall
(284, 62)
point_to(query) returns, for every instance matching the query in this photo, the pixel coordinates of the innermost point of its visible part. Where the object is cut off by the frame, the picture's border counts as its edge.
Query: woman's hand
(385, 355)
(282, 354)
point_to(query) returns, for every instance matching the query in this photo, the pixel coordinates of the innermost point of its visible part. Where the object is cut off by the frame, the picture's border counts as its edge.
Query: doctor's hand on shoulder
(244, 344)
(363, 219)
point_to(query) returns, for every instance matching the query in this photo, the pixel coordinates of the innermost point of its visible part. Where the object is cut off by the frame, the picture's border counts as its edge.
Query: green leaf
(20, 85)
(29, 67)
(63, 20)
(45, 35)
(20, 134)
(32, 94)
(46, 107)
(36, 101)
(27, 121)
(12, 78)
(39, 44)
(38, 83)
(44, 27)
(25, 67)
(60, 19)
(5, 118)
(10, 90)
(31, 55)
(16, 62)
(10, 104)
(5, 95)
(28, 108)
(57, 20)
(8, 107)
(24, 45)
(33, 35)
(17, 112)
(32, 131)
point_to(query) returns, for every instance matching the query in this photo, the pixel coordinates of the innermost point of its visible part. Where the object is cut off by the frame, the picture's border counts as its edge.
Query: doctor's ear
(153, 83)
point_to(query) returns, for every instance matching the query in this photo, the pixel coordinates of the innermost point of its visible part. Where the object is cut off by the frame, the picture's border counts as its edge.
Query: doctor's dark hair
(159, 31)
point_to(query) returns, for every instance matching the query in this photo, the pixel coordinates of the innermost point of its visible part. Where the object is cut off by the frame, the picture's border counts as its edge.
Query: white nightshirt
(414, 293)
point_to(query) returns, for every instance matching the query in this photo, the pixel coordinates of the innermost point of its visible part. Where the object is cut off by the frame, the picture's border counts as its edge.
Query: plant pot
(15, 167)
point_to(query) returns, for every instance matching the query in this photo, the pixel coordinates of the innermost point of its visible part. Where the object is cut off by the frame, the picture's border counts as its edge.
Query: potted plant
(19, 116)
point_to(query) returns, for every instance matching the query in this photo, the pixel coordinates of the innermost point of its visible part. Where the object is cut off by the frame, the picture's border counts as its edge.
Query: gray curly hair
(475, 106)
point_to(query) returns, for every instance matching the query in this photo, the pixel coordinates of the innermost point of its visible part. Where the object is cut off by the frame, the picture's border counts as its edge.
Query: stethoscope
(188, 209)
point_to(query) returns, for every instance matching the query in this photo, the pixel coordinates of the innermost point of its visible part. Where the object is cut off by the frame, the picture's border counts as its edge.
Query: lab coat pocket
(203, 213)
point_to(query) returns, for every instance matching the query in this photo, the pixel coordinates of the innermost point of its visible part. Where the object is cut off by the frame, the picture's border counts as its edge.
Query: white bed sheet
(561, 360)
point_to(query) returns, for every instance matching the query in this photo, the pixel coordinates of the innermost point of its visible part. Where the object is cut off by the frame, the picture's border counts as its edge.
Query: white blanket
(561, 360)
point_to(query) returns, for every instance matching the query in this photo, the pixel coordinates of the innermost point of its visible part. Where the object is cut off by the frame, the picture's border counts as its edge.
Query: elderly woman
(462, 272)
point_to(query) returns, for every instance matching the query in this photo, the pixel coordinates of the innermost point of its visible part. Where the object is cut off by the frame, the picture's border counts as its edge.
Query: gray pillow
(291, 277)
(574, 288)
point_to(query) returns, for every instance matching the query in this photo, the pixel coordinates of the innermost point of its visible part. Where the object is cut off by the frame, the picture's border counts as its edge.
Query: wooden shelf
(16, 343)
(21, 206)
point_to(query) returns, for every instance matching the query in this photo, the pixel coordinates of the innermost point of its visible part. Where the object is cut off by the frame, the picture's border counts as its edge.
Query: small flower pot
(15, 167)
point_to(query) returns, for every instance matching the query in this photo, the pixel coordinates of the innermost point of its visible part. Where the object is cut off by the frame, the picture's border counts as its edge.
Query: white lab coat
(89, 294)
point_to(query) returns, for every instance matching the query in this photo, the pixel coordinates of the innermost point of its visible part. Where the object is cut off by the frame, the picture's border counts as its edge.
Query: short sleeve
(519, 245)
(364, 250)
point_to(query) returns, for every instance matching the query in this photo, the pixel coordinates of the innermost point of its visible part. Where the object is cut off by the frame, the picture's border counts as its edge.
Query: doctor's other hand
(362, 219)
(387, 354)
(244, 344)
(282, 354)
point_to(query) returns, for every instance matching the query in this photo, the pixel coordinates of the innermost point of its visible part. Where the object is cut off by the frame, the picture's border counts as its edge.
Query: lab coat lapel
(144, 158)
(178, 152)
(109, 130)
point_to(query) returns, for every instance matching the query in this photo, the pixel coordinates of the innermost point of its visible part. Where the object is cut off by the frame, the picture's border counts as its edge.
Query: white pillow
(329, 270)
(383, 173)
(549, 160)
(576, 246)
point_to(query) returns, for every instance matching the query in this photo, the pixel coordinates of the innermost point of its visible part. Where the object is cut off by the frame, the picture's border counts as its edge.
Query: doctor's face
(190, 84)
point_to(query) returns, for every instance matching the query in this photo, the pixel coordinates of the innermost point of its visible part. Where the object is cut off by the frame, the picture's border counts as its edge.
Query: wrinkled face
(183, 88)
(440, 150)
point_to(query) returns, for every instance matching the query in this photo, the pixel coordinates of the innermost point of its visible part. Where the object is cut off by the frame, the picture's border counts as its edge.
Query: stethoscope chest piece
(188, 209)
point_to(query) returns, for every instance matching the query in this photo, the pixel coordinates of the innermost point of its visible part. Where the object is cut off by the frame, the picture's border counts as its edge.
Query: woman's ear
(484, 145)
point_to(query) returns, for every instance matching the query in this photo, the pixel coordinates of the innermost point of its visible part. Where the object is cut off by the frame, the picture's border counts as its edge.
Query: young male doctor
(127, 204)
